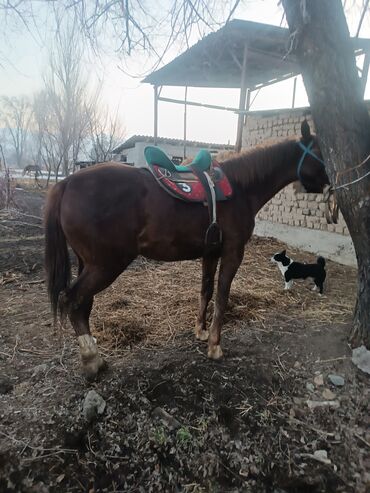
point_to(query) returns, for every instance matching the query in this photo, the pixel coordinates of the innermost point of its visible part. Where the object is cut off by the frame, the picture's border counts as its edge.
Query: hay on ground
(151, 303)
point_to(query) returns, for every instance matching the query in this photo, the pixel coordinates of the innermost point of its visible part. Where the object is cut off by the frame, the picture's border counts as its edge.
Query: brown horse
(109, 214)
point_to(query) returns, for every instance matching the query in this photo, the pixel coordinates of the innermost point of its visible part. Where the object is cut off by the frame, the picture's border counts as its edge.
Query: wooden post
(242, 99)
(185, 115)
(155, 114)
(294, 91)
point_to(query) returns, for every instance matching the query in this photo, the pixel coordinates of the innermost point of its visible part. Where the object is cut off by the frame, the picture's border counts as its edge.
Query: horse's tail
(321, 261)
(57, 262)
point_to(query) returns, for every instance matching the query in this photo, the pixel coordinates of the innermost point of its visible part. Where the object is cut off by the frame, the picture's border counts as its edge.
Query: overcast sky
(26, 55)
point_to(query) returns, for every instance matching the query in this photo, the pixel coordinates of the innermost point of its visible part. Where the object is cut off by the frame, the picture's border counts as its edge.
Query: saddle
(200, 181)
(188, 182)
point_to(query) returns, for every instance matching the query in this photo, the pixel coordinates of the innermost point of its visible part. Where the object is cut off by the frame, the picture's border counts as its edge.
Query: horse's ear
(305, 130)
(283, 252)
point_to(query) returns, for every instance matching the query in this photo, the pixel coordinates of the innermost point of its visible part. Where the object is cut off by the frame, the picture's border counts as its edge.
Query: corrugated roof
(164, 140)
(216, 60)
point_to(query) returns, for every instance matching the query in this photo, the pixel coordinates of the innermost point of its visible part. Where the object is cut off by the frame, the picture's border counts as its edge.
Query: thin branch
(364, 11)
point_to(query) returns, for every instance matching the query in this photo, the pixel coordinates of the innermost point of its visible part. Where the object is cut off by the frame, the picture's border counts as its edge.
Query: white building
(132, 150)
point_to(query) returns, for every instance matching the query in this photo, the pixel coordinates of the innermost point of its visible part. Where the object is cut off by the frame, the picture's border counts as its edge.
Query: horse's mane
(254, 165)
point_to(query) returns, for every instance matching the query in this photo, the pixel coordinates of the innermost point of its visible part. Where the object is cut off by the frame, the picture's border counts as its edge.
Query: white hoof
(91, 360)
(92, 367)
(215, 352)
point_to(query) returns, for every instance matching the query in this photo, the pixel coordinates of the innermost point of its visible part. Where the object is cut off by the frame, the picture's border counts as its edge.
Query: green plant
(159, 436)
(183, 435)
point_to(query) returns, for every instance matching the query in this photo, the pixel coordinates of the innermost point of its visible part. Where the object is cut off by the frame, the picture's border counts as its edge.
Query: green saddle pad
(155, 155)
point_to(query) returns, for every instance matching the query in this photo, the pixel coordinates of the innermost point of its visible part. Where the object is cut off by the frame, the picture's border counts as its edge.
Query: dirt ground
(264, 419)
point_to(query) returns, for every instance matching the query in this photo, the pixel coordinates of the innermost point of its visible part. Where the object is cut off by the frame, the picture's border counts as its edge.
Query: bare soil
(242, 424)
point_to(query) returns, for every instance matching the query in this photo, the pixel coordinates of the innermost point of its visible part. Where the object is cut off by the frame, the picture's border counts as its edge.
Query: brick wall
(306, 210)
(264, 126)
(290, 206)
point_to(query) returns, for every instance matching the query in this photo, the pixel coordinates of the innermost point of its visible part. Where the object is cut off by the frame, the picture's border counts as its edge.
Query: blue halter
(306, 150)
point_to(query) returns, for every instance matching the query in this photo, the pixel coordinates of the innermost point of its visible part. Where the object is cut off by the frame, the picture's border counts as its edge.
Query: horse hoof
(202, 335)
(92, 368)
(215, 352)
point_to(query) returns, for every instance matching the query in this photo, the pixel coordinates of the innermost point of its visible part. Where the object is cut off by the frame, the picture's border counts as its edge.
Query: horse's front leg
(230, 263)
(209, 266)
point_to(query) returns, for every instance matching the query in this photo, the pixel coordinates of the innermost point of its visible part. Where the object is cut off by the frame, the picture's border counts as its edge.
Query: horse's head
(311, 168)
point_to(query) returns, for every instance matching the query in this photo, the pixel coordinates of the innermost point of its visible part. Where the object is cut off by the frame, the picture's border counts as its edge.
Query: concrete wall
(338, 248)
(291, 210)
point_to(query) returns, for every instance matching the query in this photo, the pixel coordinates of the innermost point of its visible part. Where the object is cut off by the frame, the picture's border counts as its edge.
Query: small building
(132, 150)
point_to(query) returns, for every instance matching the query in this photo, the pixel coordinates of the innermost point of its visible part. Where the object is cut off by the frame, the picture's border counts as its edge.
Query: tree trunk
(321, 42)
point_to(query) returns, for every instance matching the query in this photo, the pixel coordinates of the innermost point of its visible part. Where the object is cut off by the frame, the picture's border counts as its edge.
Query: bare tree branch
(364, 11)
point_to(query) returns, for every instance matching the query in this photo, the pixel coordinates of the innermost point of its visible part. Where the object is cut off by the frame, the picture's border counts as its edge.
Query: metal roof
(216, 60)
(129, 143)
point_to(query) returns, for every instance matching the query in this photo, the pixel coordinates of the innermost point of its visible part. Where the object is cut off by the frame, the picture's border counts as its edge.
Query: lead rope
(331, 206)
(330, 198)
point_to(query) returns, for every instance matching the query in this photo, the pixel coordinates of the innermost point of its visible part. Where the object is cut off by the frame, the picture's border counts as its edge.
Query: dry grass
(152, 302)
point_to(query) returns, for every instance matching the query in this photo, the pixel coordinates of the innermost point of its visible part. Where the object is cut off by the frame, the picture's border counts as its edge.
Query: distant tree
(65, 97)
(47, 147)
(105, 132)
(15, 115)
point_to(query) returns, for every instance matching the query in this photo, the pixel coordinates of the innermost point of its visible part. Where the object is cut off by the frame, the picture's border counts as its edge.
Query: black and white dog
(295, 270)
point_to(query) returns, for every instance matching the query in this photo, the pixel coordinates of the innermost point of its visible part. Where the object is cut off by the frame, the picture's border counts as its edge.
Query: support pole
(247, 106)
(185, 116)
(155, 115)
(294, 91)
(365, 71)
(242, 100)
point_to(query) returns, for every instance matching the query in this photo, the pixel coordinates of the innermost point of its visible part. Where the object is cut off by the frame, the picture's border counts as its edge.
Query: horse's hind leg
(209, 267)
(78, 302)
(230, 263)
(91, 360)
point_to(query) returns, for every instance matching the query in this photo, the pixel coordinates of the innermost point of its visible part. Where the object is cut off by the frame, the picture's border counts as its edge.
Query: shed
(242, 54)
